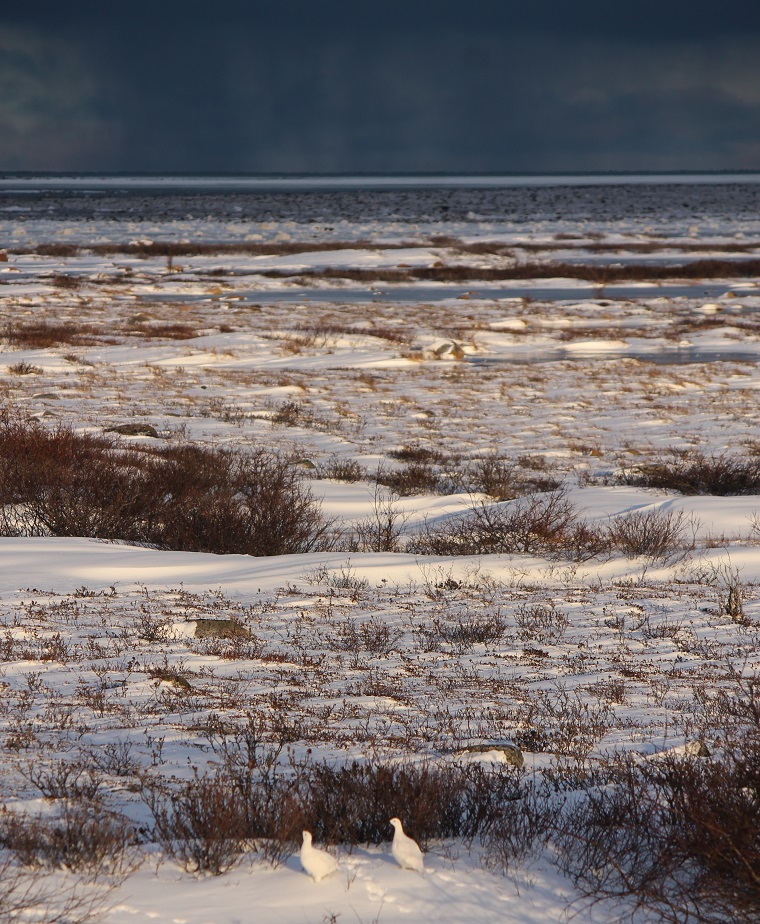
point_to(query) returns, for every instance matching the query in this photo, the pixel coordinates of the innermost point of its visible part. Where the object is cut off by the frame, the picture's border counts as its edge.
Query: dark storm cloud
(380, 86)
(657, 18)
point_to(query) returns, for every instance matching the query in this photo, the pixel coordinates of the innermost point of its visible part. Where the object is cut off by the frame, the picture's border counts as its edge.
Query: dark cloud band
(360, 86)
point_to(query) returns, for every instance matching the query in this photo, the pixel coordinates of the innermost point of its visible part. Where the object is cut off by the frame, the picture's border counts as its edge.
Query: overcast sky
(383, 86)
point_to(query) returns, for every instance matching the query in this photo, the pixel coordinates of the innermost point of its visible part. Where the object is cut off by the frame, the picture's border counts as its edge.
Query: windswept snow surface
(362, 652)
(368, 887)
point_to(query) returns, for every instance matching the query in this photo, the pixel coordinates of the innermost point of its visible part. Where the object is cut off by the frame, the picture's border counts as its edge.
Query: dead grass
(598, 274)
(276, 248)
(40, 335)
(66, 281)
(163, 331)
(24, 368)
(197, 248)
(324, 331)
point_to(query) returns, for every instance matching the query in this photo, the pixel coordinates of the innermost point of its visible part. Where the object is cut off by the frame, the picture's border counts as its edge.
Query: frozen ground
(376, 655)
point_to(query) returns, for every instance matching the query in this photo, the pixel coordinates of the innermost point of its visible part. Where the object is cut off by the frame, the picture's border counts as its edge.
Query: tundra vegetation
(473, 597)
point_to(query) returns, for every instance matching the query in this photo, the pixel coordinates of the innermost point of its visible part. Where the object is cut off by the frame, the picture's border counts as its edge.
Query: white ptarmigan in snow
(317, 863)
(406, 852)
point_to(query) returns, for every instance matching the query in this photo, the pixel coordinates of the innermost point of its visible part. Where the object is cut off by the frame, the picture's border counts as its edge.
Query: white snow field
(128, 673)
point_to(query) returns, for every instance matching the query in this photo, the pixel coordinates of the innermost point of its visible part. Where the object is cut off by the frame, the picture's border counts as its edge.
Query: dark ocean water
(722, 198)
(319, 182)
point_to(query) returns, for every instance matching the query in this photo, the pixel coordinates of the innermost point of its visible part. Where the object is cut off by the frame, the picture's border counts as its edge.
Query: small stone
(220, 628)
(696, 749)
(511, 752)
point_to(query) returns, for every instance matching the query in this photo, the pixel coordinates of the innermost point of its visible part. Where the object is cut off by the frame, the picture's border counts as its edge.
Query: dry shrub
(656, 534)
(677, 839)
(289, 414)
(184, 497)
(503, 479)
(691, 472)
(547, 523)
(541, 622)
(469, 629)
(521, 829)
(353, 804)
(61, 483)
(198, 248)
(245, 647)
(413, 478)
(321, 333)
(29, 894)
(496, 477)
(40, 335)
(207, 825)
(391, 334)
(228, 502)
(536, 523)
(338, 469)
(116, 758)
(412, 453)
(484, 247)
(203, 827)
(740, 704)
(64, 780)
(24, 368)
(572, 727)
(371, 636)
(56, 250)
(381, 530)
(65, 281)
(85, 838)
(544, 523)
(585, 541)
(175, 331)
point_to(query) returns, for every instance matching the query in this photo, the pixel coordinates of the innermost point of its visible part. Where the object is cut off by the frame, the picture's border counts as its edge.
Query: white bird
(406, 852)
(317, 863)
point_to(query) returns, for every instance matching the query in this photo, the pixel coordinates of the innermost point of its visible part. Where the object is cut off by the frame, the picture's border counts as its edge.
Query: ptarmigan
(317, 863)
(406, 852)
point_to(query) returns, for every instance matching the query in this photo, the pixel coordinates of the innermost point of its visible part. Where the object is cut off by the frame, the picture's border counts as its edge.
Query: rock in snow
(317, 863)
(406, 852)
(509, 752)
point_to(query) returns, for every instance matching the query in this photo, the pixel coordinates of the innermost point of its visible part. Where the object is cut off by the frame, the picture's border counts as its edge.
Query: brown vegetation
(40, 335)
(597, 274)
(677, 838)
(198, 248)
(60, 483)
(692, 472)
(206, 825)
